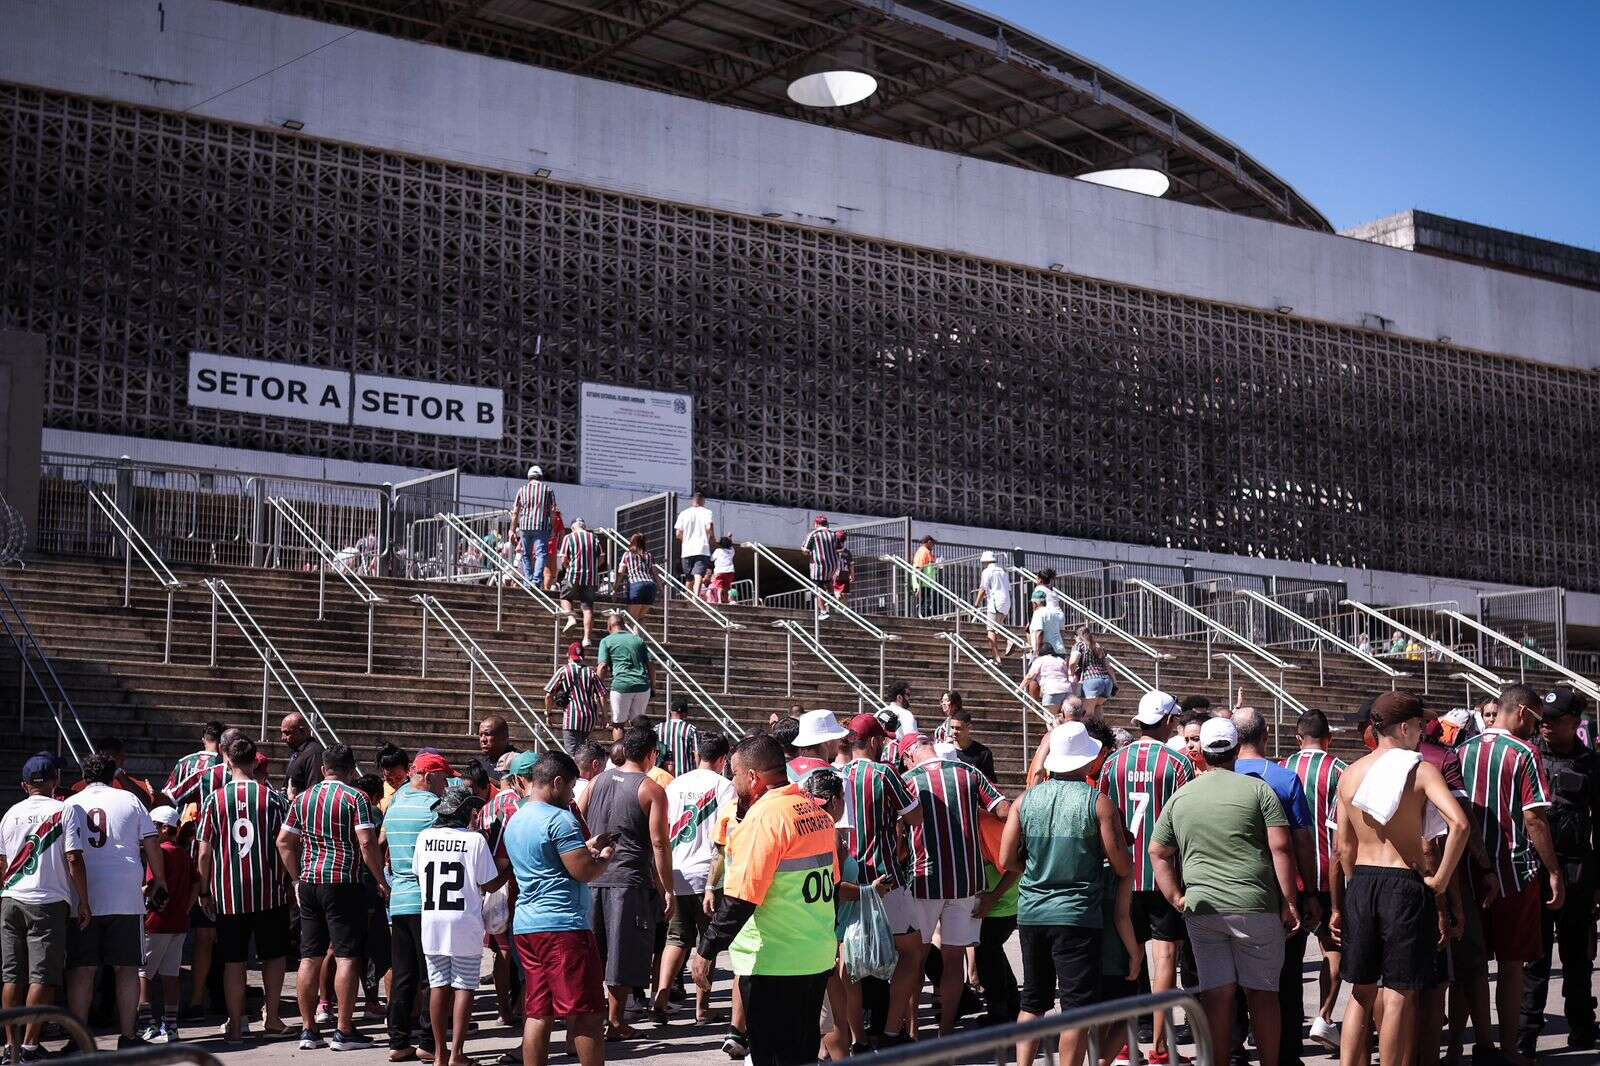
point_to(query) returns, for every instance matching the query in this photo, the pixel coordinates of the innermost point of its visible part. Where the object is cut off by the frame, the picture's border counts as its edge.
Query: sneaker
(150, 1032)
(1325, 1033)
(170, 1031)
(587, 642)
(324, 1012)
(348, 1041)
(37, 1053)
(309, 1041)
(126, 1042)
(822, 616)
(735, 1045)
(569, 623)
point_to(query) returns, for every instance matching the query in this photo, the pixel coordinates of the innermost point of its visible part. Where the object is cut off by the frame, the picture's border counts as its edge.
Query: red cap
(821, 520)
(865, 727)
(911, 740)
(574, 651)
(428, 763)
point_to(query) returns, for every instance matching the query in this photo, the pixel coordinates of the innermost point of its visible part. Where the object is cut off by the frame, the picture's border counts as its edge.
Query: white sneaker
(1325, 1032)
(571, 621)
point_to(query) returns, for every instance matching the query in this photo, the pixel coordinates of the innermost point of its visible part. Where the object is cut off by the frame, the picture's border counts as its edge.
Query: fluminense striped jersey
(1504, 777)
(638, 566)
(1140, 779)
(876, 797)
(824, 556)
(1319, 774)
(534, 501)
(187, 767)
(580, 554)
(326, 816)
(197, 786)
(946, 856)
(677, 739)
(240, 821)
(586, 695)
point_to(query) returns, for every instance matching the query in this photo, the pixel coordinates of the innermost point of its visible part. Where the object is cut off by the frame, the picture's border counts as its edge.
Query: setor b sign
(286, 390)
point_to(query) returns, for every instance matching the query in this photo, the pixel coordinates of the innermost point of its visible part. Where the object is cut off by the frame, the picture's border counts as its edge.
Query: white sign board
(257, 387)
(285, 390)
(635, 438)
(429, 407)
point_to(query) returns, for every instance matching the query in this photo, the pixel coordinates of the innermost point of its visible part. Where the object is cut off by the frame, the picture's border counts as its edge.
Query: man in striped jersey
(678, 738)
(1509, 798)
(328, 834)
(1140, 779)
(581, 695)
(823, 551)
(579, 563)
(242, 884)
(531, 515)
(1319, 773)
(193, 763)
(947, 862)
(876, 800)
(193, 778)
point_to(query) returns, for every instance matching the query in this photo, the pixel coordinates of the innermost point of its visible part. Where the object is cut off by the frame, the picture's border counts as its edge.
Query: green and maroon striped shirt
(188, 766)
(1319, 774)
(876, 796)
(677, 739)
(1504, 777)
(326, 817)
(1140, 779)
(240, 821)
(946, 853)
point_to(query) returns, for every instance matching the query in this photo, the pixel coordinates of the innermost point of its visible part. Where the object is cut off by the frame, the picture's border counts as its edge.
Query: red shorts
(722, 581)
(840, 588)
(561, 974)
(1513, 926)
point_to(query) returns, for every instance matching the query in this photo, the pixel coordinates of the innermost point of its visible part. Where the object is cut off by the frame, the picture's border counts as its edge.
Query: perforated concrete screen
(828, 371)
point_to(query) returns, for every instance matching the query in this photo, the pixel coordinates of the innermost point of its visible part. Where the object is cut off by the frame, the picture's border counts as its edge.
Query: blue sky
(1483, 111)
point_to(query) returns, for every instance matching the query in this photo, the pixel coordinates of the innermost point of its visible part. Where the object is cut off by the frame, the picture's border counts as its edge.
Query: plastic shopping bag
(868, 947)
(497, 910)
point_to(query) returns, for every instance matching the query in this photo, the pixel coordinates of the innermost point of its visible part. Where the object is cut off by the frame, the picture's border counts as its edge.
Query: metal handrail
(1579, 682)
(135, 544)
(1427, 642)
(974, 1045)
(1104, 623)
(479, 660)
(1211, 624)
(27, 644)
(719, 619)
(961, 605)
(963, 646)
(274, 667)
(1280, 695)
(1474, 679)
(834, 602)
(325, 552)
(676, 671)
(506, 569)
(155, 1055)
(1118, 667)
(1322, 633)
(796, 631)
(22, 1017)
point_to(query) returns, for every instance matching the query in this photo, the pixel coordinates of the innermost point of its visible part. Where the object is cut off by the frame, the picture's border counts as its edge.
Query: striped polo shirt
(410, 812)
(1319, 774)
(580, 552)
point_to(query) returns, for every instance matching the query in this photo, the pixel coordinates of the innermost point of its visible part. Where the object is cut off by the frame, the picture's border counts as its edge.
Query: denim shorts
(642, 592)
(1097, 688)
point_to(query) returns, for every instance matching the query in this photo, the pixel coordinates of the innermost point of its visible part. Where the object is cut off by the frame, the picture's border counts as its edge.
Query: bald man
(304, 768)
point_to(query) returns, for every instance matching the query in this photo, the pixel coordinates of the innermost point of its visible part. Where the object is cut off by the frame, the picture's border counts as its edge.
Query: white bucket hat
(819, 727)
(1071, 747)
(986, 557)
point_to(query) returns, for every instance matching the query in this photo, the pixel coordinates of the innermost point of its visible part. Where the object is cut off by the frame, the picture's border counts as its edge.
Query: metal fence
(874, 586)
(1535, 618)
(653, 518)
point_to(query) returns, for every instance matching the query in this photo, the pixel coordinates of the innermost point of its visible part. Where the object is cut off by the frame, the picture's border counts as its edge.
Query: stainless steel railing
(676, 672)
(344, 567)
(796, 631)
(959, 605)
(835, 604)
(135, 544)
(1211, 625)
(478, 661)
(1106, 625)
(274, 667)
(31, 658)
(962, 647)
(1280, 696)
(1322, 634)
(1444, 651)
(1579, 682)
(508, 572)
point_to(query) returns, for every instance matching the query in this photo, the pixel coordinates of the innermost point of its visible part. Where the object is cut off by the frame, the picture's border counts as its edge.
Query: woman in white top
(1047, 679)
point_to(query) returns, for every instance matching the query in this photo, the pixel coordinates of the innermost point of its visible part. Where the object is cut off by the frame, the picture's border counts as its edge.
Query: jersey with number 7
(1140, 779)
(240, 821)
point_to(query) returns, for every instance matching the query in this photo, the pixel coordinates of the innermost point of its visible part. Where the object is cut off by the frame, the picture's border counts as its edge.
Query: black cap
(1561, 702)
(1364, 715)
(457, 805)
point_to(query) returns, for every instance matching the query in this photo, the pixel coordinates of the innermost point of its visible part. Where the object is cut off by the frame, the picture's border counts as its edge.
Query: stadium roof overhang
(948, 77)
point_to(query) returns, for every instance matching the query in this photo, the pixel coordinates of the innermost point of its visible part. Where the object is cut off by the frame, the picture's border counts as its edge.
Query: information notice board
(635, 438)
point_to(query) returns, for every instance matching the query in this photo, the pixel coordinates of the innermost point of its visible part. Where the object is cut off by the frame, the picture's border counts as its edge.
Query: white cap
(1071, 747)
(986, 557)
(1218, 735)
(535, 471)
(817, 727)
(1154, 706)
(165, 815)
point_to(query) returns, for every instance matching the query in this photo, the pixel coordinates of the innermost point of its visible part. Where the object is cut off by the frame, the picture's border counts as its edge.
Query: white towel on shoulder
(1380, 793)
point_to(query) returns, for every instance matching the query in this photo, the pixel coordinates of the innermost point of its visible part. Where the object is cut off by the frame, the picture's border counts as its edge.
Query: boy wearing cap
(165, 930)
(41, 852)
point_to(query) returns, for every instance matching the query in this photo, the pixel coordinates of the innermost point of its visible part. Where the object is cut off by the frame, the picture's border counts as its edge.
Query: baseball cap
(1392, 708)
(41, 768)
(430, 763)
(1218, 736)
(523, 764)
(820, 520)
(865, 727)
(1071, 747)
(165, 815)
(458, 802)
(1039, 596)
(1560, 702)
(536, 471)
(818, 727)
(1154, 707)
(574, 651)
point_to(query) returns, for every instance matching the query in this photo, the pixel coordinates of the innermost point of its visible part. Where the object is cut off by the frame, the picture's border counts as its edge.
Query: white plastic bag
(868, 948)
(497, 910)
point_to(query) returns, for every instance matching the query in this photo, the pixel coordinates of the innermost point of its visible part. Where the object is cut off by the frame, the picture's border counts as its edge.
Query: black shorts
(269, 928)
(581, 594)
(1391, 930)
(688, 921)
(333, 915)
(1155, 919)
(199, 919)
(109, 940)
(696, 565)
(1060, 963)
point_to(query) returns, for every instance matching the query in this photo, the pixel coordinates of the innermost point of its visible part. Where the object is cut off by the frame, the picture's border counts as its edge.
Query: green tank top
(1061, 880)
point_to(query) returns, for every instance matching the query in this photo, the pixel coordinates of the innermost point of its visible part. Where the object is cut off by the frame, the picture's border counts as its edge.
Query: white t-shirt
(1049, 620)
(452, 866)
(1051, 673)
(695, 525)
(115, 825)
(997, 588)
(43, 880)
(722, 561)
(579, 787)
(693, 800)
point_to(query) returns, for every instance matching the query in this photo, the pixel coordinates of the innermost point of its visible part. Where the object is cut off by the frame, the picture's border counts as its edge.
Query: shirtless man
(1388, 919)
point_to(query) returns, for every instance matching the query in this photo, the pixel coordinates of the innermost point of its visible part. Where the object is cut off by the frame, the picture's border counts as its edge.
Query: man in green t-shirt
(1237, 891)
(625, 667)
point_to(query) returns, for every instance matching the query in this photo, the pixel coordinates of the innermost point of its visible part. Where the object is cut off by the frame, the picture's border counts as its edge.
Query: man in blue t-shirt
(550, 930)
(410, 812)
(1285, 784)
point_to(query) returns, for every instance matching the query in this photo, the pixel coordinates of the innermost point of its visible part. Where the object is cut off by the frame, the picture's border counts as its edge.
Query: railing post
(127, 570)
(371, 625)
(266, 677)
(1231, 699)
(950, 667)
(788, 667)
(666, 607)
(1424, 675)
(213, 627)
(757, 588)
(322, 586)
(166, 650)
(881, 643)
(472, 694)
(1208, 661)
(499, 601)
(1320, 681)
(727, 643)
(424, 638)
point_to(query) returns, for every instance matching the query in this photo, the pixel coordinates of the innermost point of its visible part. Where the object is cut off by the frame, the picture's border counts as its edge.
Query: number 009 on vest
(784, 858)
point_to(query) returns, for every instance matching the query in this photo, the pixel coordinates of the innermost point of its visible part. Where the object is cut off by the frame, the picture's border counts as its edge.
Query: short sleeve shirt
(35, 836)
(241, 820)
(1285, 784)
(1140, 780)
(695, 525)
(1218, 822)
(876, 796)
(1048, 621)
(1505, 777)
(115, 826)
(946, 856)
(627, 655)
(326, 818)
(549, 899)
(452, 865)
(997, 588)
(784, 859)
(409, 814)
(693, 800)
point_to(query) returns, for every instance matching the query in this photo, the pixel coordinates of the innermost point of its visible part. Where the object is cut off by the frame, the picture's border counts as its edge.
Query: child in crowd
(166, 926)
(721, 572)
(844, 569)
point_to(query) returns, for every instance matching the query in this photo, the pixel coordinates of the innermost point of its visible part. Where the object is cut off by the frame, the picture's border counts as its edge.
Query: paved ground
(681, 1043)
